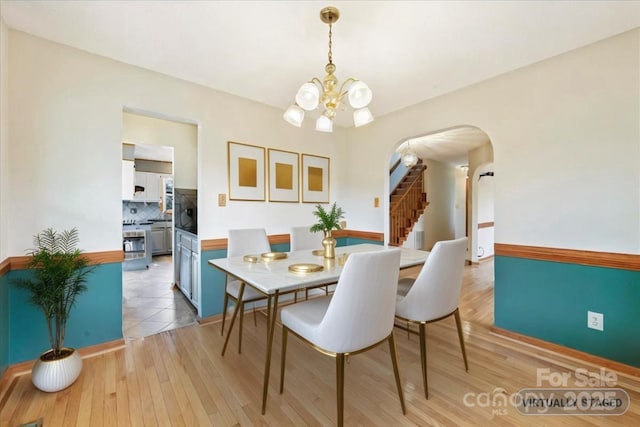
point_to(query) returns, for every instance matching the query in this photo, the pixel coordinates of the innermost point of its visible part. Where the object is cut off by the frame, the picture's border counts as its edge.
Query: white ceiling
(450, 146)
(407, 51)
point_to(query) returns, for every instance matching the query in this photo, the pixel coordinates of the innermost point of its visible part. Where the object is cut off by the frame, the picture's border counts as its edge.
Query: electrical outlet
(595, 320)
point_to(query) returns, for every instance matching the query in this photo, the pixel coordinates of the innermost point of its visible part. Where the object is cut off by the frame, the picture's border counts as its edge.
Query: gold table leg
(271, 320)
(233, 318)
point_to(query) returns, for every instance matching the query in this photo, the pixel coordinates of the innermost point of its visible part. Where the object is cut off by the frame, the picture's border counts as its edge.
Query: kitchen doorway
(151, 302)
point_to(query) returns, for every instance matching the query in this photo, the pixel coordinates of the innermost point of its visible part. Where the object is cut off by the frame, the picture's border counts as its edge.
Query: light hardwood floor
(178, 378)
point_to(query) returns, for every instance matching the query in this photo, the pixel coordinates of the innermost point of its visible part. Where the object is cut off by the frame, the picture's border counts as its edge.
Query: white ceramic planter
(56, 375)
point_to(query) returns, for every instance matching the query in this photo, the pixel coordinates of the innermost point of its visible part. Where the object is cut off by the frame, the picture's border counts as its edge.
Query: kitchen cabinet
(187, 266)
(161, 237)
(128, 171)
(149, 184)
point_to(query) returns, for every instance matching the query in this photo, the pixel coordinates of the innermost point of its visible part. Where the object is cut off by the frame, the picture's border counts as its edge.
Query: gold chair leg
(255, 321)
(340, 387)
(283, 357)
(233, 318)
(224, 311)
(396, 371)
(464, 352)
(423, 358)
(240, 328)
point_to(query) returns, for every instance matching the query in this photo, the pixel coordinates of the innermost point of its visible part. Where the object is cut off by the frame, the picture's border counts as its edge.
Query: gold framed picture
(283, 176)
(315, 179)
(246, 171)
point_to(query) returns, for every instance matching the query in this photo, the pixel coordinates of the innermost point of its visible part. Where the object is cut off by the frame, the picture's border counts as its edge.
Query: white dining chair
(249, 241)
(302, 238)
(434, 295)
(356, 318)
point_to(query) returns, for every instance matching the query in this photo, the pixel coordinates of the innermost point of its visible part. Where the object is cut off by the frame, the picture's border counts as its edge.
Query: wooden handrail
(400, 201)
(407, 208)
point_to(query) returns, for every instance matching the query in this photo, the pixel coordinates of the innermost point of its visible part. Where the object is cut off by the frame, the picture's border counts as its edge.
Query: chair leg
(340, 387)
(423, 358)
(255, 321)
(396, 372)
(459, 326)
(240, 328)
(283, 356)
(224, 311)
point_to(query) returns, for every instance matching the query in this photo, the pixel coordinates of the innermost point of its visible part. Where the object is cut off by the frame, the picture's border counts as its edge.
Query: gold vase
(329, 245)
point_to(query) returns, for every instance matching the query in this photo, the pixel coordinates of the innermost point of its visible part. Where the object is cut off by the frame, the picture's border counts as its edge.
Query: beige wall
(565, 135)
(4, 134)
(439, 217)
(566, 140)
(65, 154)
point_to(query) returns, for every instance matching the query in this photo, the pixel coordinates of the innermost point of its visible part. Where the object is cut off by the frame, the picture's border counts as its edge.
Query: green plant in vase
(59, 275)
(328, 220)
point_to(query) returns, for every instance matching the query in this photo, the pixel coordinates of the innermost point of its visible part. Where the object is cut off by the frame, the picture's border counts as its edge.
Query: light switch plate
(222, 199)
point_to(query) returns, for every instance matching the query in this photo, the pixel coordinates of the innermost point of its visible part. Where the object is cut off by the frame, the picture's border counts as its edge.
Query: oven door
(134, 244)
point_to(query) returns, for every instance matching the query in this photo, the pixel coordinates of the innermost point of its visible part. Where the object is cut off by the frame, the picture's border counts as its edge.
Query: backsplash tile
(143, 211)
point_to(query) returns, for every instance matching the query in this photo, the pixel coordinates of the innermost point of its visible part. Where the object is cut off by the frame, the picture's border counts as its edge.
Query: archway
(451, 155)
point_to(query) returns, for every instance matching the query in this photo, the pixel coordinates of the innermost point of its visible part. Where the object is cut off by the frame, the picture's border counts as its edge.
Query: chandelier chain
(330, 44)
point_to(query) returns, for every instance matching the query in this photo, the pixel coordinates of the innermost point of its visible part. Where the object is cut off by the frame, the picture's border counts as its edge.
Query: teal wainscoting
(96, 318)
(212, 283)
(550, 300)
(348, 241)
(4, 323)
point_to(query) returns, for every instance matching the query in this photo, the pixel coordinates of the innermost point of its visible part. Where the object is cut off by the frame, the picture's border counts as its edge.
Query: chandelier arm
(317, 82)
(349, 82)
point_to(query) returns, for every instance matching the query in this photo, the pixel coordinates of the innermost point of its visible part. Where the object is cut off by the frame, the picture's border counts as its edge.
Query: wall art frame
(315, 178)
(284, 181)
(246, 171)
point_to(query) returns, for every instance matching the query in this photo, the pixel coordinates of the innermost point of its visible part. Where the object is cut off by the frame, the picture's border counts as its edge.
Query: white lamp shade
(359, 94)
(324, 124)
(362, 117)
(294, 115)
(409, 159)
(308, 96)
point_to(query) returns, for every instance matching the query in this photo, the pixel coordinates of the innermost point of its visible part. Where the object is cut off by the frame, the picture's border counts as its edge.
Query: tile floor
(150, 304)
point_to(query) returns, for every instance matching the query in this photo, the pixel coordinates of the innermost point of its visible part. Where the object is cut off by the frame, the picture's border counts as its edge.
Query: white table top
(270, 277)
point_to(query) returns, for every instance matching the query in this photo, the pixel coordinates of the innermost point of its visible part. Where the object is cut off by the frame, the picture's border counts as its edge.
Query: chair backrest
(247, 241)
(302, 238)
(436, 291)
(362, 309)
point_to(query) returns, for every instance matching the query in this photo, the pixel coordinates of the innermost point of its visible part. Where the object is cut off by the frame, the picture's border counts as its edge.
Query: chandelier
(325, 93)
(409, 157)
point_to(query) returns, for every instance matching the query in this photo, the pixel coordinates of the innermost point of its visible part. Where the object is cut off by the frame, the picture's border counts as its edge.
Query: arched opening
(456, 159)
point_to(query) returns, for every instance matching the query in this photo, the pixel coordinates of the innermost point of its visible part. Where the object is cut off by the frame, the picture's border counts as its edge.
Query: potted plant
(59, 275)
(328, 221)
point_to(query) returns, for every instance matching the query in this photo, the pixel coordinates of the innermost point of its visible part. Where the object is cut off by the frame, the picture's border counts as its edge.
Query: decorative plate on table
(305, 268)
(272, 256)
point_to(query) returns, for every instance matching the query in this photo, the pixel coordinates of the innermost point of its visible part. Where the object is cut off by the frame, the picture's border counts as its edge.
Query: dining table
(271, 275)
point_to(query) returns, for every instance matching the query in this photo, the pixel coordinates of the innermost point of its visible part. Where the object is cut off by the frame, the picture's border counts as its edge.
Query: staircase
(408, 202)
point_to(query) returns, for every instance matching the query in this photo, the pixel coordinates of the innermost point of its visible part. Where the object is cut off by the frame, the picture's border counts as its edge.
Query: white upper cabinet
(147, 186)
(128, 170)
